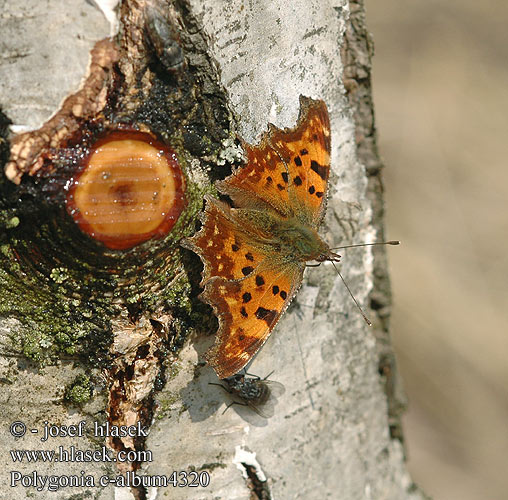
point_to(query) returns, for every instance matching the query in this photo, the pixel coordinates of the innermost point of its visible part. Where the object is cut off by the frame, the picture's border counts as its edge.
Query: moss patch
(79, 391)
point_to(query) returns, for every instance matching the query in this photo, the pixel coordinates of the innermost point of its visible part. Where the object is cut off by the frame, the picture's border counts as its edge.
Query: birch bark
(336, 430)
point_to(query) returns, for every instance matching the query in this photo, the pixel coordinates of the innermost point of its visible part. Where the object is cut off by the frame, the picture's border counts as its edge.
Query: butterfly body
(301, 242)
(254, 252)
(289, 238)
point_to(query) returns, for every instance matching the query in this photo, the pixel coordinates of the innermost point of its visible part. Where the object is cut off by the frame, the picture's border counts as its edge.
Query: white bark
(329, 437)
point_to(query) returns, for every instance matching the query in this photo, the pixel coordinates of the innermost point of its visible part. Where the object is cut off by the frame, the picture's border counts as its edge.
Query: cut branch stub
(130, 189)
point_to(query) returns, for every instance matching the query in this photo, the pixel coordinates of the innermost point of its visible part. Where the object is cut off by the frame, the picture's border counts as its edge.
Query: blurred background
(441, 100)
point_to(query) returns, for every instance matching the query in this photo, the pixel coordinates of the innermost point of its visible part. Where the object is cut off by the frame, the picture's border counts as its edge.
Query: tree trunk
(336, 430)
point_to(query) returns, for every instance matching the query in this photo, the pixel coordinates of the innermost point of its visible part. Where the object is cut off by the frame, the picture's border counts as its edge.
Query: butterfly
(259, 394)
(255, 251)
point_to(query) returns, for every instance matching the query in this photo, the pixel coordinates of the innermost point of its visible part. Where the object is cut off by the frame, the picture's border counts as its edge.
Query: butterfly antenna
(367, 320)
(391, 242)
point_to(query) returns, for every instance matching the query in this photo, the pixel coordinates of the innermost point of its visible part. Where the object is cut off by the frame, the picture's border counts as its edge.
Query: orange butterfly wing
(247, 286)
(223, 244)
(248, 309)
(289, 169)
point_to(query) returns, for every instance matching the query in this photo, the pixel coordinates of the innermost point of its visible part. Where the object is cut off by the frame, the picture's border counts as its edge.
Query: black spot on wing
(298, 180)
(298, 161)
(243, 312)
(275, 289)
(235, 247)
(247, 270)
(285, 176)
(319, 169)
(249, 256)
(267, 315)
(283, 294)
(246, 297)
(260, 280)
(312, 189)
